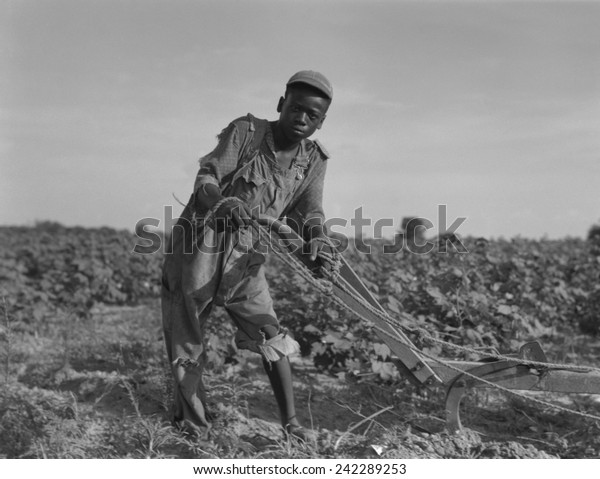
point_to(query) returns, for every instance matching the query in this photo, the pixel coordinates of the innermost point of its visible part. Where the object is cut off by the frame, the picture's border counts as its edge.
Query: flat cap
(315, 79)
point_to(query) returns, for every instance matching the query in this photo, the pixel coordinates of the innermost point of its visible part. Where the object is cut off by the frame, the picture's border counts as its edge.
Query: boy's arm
(215, 169)
(221, 162)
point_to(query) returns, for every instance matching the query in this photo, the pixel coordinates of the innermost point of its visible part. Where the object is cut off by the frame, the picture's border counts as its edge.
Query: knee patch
(273, 349)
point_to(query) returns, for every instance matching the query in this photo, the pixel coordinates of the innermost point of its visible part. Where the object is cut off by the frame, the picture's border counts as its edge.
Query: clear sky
(490, 108)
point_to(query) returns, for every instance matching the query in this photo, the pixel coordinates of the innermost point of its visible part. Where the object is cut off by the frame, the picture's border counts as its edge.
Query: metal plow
(527, 370)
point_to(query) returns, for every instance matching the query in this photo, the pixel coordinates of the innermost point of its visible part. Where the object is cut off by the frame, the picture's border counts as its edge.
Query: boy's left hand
(317, 245)
(324, 252)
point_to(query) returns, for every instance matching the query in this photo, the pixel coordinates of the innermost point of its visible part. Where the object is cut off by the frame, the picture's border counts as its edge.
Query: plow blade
(510, 374)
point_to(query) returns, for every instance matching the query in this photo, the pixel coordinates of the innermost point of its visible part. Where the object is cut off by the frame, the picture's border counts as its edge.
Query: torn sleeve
(220, 164)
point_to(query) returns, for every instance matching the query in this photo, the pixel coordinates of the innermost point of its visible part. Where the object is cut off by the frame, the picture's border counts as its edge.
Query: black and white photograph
(318, 237)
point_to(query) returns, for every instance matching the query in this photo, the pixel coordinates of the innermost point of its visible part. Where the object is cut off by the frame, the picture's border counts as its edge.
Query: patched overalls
(209, 268)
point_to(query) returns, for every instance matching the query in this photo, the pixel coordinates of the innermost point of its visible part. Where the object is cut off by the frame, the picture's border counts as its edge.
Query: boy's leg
(184, 340)
(280, 376)
(184, 321)
(251, 308)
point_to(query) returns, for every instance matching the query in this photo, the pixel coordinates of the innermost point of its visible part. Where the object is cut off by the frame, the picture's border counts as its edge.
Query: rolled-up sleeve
(220, 163)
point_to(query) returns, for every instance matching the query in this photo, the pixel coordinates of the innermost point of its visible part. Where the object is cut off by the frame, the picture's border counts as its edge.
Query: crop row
(497, 295)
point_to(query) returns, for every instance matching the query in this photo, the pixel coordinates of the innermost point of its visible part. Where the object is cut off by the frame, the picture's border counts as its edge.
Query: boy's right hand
(233, 215)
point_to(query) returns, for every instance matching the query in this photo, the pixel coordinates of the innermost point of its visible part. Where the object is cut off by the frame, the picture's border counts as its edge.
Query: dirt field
(97, 389)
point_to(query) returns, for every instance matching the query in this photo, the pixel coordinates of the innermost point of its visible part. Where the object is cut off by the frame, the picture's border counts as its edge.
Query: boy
(258, 167)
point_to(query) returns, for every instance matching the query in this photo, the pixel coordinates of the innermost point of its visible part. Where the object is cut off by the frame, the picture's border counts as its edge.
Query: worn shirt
(244, 165)
(250, 172)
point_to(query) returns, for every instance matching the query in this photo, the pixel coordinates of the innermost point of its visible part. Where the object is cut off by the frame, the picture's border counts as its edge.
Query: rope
(209, 217)
(528, 362)
(324, 285)
(331, 277)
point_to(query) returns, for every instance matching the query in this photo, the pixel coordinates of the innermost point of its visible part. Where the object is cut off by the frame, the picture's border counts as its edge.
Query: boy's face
(301, 113)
